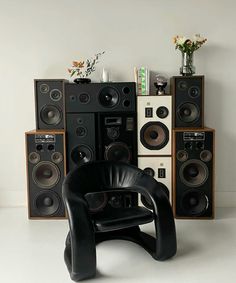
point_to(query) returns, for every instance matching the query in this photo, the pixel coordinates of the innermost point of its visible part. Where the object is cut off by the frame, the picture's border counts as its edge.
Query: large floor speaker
(193, 173)
(117, 135)
(45, 159)
(160, 168)
(49, 103)
(100, 97)
(154, 124)
(188, 101)
(101, 122)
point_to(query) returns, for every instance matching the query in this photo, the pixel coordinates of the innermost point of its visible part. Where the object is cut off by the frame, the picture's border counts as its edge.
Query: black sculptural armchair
(88, 229)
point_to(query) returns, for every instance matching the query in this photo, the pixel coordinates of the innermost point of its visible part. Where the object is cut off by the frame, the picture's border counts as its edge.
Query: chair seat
(121, 218)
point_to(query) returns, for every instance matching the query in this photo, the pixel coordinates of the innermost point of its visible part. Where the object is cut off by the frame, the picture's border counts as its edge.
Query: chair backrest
(102, 176)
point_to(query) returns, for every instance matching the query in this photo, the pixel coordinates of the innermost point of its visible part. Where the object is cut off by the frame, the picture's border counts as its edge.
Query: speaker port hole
(126, 90)
(39, 147)
(126, 103)
(51, 147)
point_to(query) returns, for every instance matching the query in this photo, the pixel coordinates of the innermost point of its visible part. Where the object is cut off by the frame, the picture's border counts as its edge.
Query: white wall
(39, 39)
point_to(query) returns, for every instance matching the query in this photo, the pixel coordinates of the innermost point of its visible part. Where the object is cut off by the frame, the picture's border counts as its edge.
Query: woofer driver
(188, 112)
(194, 202)
(108, 97)
(46, 174)
(51, 115)
(47, 203)
(193, 173)
(154, 135)
(117, 151)
(81, 154)
(96, 201)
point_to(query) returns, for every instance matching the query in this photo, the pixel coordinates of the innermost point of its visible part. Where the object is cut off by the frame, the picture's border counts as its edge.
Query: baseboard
(13, 198)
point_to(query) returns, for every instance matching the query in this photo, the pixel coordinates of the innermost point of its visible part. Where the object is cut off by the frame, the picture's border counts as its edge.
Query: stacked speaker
(46, 151)
(155, 138)
(193, 151)
(75, 124)
(162, 134)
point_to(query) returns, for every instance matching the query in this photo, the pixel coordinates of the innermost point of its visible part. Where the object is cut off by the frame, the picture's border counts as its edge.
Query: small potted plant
(84, 68)
(187, 47)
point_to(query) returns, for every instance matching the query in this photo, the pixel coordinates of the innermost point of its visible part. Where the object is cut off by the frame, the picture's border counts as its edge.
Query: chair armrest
(81, 258)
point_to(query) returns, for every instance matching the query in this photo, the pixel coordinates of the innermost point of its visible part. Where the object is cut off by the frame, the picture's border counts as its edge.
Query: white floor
(32, 252)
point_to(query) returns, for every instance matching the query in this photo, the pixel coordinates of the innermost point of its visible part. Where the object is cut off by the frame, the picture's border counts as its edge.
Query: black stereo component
(188, 101)
(193, 178)
(81, 138)
(100, 97)
(45, 158)
(49, 103)
(117, 136)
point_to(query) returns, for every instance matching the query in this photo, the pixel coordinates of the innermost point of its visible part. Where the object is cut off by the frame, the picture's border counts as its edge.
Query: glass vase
(187, 68)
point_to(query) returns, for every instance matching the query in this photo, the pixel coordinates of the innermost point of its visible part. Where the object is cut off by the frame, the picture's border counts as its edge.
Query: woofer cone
(96, 201)
(108, 97)
(206, 155)
(162, 112)
(193, 173)
(46, 174)
(81, 154)
(182, 155)
(51, 115)
(194, 203)
(34, 157)
(117, 151)
(47, 203)
(188, 112)
(154, 135)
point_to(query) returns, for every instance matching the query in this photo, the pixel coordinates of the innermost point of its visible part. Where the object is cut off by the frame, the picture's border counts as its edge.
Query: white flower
(198, 38)
(181, 40)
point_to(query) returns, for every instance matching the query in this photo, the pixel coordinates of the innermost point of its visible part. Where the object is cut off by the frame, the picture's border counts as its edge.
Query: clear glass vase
(187, 68)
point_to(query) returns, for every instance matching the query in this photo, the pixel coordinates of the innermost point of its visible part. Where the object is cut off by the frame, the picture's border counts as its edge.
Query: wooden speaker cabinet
(46, 169)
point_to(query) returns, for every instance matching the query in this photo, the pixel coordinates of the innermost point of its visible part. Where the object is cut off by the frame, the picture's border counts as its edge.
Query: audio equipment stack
(46, 151)
(155, 138)
(193, 151)
(101, 124)
(75, 124)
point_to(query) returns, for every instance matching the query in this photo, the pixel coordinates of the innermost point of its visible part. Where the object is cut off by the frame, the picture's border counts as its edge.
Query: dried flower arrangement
(83, 68)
